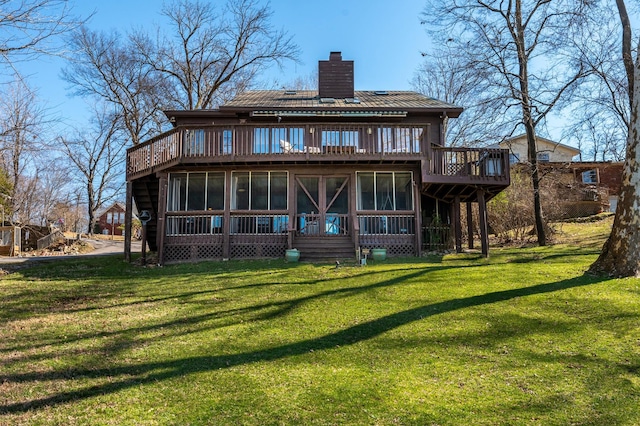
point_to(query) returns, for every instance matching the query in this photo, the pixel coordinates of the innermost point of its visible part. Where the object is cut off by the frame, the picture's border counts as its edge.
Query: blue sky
(384, 38)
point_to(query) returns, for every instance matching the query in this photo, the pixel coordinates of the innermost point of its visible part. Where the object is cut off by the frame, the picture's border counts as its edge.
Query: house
(548, 150)
(585, 187)
(111, 220)
(328, 171)
(603, 176)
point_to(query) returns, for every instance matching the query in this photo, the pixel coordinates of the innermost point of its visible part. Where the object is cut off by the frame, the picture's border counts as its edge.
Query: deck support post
(293, 223)
(418, 220)
(457, 223)
(226, 223)
(484, 230)
(470, 225)
(161, 230)
(128, 216)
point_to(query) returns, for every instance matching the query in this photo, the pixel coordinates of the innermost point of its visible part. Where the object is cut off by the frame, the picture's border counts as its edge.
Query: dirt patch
(63, 249)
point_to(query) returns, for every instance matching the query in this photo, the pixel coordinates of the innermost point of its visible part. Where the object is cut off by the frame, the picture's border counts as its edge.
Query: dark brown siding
(611, 177)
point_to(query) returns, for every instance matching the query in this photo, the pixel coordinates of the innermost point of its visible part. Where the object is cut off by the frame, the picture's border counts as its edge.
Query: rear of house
(328, 172)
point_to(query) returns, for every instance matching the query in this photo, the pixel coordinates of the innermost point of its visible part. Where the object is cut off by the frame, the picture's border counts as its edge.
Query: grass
(524, 337)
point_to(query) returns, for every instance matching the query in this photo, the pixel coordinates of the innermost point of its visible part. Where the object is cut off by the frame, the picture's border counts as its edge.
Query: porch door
(322, 205)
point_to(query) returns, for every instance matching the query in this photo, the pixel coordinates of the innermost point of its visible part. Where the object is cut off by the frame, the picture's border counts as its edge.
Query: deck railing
(470, 162)
(193, 224)
(206, 223)
(314, 142)
(388, 224)
(222, 143)
(259, 224)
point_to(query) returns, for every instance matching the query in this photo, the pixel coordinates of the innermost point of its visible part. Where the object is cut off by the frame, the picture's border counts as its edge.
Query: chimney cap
(335, 56)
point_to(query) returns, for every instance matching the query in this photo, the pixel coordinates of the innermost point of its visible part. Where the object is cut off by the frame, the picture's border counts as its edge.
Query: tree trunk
(620, 255)
(627, 56)
(529, 125)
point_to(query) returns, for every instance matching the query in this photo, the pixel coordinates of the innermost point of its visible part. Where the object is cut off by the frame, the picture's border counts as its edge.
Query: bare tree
(106, 68)
(444, 75)
(42, 193)
(97, 158)
(620, 255)
(23, 123)
(522, 49)
(32, 27)
(305, 82)
(210, 54)
(598, 118)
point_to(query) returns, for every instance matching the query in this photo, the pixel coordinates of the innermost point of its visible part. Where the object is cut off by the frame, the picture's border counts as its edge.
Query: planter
(292, 255)
(379, 253)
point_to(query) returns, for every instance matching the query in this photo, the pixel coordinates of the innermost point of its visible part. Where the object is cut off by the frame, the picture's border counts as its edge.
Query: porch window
(196, 191)
(259, 190)
(177, 192)
(388, 191)
(215, 191)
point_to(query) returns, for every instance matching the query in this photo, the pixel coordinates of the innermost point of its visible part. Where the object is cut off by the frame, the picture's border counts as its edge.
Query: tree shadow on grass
(136, 375)
(44, 301)
(258, 312)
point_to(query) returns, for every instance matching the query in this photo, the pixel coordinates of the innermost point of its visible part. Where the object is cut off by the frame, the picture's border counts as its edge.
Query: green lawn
(524, 337)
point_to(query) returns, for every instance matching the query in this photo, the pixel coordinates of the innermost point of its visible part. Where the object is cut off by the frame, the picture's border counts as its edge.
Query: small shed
(10, 241)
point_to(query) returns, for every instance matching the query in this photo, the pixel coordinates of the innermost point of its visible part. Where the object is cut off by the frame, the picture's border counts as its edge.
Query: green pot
(379, 253)
(292, 255)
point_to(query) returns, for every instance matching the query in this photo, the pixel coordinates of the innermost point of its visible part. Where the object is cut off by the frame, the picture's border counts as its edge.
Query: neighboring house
(111, 220)
(328, 172)
(548, 151)
(605, 175)
(588, 187)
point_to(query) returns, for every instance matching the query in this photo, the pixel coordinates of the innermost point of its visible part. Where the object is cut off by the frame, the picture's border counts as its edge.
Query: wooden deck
(320, 144)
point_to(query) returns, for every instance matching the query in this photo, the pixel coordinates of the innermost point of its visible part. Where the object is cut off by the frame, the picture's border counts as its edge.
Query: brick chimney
(335, 77)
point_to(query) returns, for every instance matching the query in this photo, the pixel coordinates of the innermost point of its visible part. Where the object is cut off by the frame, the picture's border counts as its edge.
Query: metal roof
(265, 100)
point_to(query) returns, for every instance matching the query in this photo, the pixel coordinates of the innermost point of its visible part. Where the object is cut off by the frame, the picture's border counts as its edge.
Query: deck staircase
(329, 248)
(145, 191)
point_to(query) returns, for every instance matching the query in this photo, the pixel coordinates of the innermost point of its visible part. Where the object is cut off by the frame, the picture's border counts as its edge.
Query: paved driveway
(102, 248)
